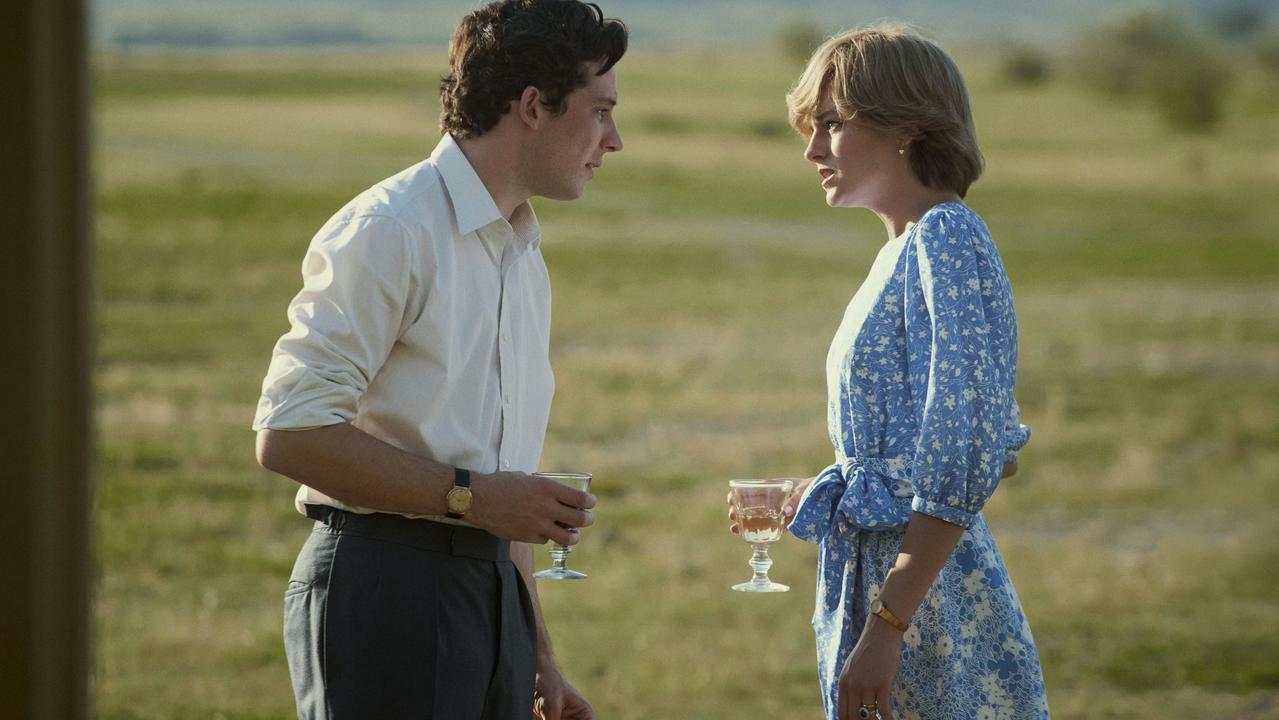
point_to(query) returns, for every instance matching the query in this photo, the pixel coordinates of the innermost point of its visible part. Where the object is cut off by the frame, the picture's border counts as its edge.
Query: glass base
(760, 562)
(559, 574)
(768, 586)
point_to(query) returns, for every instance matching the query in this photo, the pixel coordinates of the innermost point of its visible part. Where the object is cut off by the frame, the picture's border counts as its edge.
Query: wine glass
(759, 517)
(559, 553)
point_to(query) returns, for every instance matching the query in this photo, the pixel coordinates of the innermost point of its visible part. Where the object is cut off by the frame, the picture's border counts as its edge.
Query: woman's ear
(906, 139)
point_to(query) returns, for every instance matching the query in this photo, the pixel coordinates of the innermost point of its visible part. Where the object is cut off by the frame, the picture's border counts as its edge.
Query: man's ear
(530, 108)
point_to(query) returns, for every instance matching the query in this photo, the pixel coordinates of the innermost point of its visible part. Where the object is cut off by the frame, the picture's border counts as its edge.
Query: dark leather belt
(456, 540)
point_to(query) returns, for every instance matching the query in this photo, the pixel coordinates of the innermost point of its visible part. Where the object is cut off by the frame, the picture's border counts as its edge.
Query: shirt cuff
(952, 515)
(304, 400)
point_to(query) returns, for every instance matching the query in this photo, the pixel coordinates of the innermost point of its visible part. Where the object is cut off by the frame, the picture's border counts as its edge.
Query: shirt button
(506, 464)
(506, 337)
(507, 398)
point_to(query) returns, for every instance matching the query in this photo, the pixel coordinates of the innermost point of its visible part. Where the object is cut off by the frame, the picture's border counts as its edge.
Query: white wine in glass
(761, 523)
(559, 569)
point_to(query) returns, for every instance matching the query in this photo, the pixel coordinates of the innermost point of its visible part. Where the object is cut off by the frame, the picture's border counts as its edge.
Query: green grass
(696, 289)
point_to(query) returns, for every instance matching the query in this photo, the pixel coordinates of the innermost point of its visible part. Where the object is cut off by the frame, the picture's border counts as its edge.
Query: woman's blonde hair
(895, 81)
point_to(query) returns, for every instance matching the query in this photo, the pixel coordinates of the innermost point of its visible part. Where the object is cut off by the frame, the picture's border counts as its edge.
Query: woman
(915, 617)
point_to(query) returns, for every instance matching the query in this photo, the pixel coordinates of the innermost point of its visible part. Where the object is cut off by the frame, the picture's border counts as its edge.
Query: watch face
(876, 605)
(458, 500)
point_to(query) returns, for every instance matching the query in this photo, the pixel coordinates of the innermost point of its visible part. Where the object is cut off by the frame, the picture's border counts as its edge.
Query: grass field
(697, 285)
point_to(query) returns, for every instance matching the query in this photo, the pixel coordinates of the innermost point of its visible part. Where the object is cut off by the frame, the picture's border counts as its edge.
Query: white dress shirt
(423, 320)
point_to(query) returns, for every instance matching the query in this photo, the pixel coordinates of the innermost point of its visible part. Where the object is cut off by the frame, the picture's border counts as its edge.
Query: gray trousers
(387, 617)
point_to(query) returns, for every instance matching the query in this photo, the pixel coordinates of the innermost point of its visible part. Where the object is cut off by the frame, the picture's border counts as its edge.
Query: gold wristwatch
(877, 608)
(458, 501)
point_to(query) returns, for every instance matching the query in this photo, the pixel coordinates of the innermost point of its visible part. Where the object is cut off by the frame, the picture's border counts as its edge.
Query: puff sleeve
(1016, 434)
(961, 337)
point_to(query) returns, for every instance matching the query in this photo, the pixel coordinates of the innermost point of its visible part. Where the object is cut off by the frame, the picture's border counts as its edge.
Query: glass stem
(760, 562)
(559, 554)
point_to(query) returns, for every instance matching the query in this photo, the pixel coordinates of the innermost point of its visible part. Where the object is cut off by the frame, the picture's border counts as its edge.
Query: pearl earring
(901, 151)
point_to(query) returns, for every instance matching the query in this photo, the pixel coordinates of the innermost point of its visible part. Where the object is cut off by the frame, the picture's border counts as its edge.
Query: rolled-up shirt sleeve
(961, 447)
(357, 293)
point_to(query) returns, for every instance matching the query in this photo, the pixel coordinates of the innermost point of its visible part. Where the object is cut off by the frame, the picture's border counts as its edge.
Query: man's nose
(613, 141)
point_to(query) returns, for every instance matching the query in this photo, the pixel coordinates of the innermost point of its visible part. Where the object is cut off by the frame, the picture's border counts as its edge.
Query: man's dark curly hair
(506, 46)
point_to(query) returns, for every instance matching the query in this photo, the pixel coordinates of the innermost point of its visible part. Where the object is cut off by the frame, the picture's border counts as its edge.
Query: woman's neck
(900, 215)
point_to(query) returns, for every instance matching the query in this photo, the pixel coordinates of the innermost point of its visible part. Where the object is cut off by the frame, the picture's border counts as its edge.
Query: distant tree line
(1185, 71)
(202, 36)
(1154, 56)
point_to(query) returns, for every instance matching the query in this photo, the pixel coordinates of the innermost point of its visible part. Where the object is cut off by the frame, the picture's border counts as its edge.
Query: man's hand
(527, 508)
(555, 699)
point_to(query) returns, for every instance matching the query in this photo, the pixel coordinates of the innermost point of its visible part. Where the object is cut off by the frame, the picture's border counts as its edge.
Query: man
(410, 396)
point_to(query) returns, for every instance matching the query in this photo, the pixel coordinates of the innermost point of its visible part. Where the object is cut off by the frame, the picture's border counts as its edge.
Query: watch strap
(461, 479)
(882, 611)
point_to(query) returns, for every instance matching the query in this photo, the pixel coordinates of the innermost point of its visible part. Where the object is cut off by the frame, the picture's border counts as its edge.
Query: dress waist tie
(857, 492)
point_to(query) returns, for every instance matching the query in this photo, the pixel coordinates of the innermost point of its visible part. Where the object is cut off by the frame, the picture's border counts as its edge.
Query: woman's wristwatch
(877, 608)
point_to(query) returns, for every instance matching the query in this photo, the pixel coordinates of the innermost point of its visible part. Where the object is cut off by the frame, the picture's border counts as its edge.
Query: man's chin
(565, 194)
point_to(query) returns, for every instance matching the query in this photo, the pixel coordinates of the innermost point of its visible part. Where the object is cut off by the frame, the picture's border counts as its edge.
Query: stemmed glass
(559, 553)
(759, 516)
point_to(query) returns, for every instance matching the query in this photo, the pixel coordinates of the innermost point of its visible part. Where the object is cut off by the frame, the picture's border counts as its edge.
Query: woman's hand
(868, 674)
(792, 501)
(788, 505)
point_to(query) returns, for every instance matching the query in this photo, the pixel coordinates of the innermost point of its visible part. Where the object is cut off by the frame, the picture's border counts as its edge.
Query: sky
(258, 23)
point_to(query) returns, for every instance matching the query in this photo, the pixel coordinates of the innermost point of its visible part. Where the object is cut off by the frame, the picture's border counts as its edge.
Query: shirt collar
(473, 206)
(524, 223)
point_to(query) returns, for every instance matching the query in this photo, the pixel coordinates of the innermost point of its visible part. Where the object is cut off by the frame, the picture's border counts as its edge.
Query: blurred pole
(44, 362)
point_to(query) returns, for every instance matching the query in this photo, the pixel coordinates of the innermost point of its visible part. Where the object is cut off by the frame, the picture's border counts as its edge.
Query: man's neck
(497, 164)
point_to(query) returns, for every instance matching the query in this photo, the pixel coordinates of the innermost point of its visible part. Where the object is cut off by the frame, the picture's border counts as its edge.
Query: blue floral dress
(922, 417)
